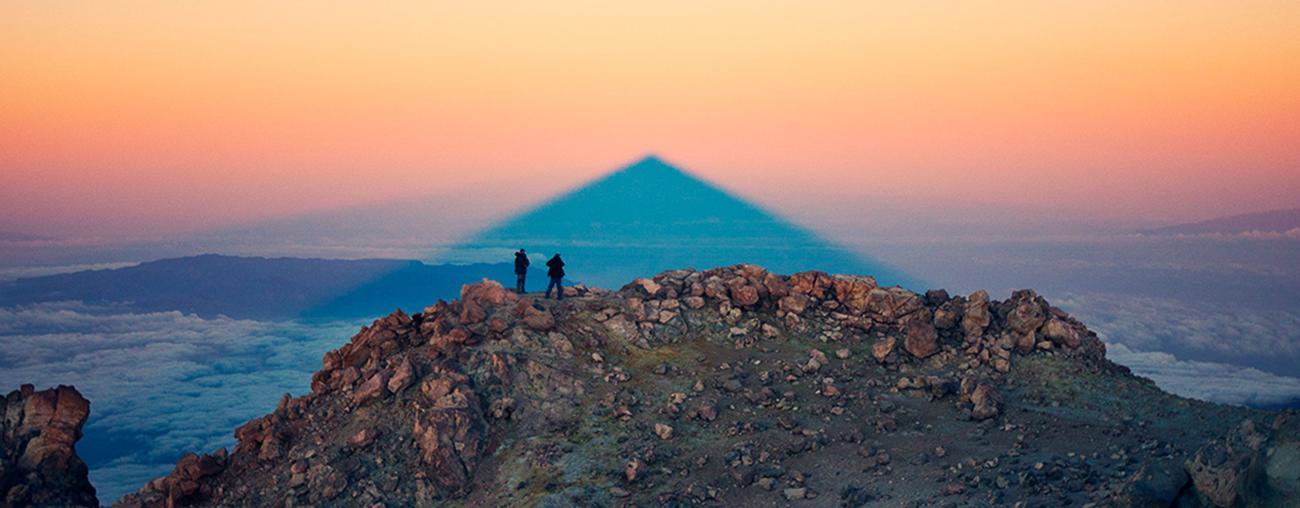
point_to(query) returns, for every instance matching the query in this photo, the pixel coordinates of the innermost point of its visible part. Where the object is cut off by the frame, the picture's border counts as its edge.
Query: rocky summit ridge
(737, 386)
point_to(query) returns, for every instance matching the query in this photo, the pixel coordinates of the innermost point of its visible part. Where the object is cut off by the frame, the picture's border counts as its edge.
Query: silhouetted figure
(556, 273)
(521, 270)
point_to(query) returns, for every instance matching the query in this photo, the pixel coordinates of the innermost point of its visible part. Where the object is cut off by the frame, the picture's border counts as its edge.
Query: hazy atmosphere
(198, 200)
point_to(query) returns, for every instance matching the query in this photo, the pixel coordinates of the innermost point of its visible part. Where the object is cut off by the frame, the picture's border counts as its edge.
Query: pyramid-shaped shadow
(649, 217)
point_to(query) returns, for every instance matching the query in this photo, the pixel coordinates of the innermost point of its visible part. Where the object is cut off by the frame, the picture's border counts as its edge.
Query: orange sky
(140, 117)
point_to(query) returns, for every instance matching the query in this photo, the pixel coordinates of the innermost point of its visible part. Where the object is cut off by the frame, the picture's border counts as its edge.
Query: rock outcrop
(39, 465)
(1248, 466)
(703, 387)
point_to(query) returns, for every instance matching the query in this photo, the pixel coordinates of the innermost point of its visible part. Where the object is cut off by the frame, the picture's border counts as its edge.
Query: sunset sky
(135, 118)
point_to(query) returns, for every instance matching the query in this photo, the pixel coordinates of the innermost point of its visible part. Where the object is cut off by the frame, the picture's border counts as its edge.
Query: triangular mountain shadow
(649, 217)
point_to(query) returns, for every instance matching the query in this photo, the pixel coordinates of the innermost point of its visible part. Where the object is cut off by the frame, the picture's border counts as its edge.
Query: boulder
(1158, 483)
(403, 376)
(374, 388)
(922, 340)
(853, 292)
(450, 436)
(363, 438)
(538, 319)
(1062, 333)
(39, 465)
(795, 303)
(742, 293)
(811, 284)
(890, 305)
(881, 349)
(984, 399)
(648, 286)
(948, 315)
(1027, 313)
(975, 315)
(1252, 465)
(936, 297)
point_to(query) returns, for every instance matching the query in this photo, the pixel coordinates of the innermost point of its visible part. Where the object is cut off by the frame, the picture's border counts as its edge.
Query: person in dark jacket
(521, 270)
(556, 273)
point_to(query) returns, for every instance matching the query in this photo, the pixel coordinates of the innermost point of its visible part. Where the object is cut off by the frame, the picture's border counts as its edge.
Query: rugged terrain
(736, 386)
(38, 461)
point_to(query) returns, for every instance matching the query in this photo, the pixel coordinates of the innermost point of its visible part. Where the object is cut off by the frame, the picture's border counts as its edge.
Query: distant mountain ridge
(14, 236)
(257, 288)
(1273, 221)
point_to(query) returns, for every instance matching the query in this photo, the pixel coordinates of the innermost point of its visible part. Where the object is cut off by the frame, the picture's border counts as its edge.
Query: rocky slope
(38, 461)
(736, 386)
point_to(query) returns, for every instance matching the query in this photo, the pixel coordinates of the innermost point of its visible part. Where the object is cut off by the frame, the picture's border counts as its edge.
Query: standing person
(521, 270)
(556, 273)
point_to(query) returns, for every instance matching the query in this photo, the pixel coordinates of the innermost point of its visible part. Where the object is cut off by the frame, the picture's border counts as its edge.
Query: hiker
(556, 273)
(521, 270)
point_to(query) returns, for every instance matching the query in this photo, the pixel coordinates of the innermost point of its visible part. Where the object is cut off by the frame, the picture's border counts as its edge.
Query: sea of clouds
(160, 384)
(165, 383)
(1215, 352)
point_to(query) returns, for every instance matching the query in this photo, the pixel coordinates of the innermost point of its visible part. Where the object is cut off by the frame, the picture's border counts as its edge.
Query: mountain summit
(733, 386)
(651, 216)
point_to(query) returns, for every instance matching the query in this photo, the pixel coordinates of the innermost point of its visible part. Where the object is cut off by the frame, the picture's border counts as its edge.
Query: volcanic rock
(714, 387)
(39, 465)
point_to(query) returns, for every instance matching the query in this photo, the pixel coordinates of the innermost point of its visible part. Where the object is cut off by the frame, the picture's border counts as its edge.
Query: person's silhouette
(521, 270)
(556, 273)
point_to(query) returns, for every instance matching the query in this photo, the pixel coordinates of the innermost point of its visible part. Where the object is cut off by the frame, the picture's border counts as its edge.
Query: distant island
(1274, 221)
(258, 288)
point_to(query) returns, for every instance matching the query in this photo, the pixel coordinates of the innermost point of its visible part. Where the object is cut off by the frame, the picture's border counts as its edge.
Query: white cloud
(1218, 353)
(1215, 382)
(160, 384)
(1234, 333)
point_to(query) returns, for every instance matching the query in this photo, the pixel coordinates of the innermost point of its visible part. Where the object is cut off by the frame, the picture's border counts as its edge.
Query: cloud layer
(160, 384)
(1215, 382)
(1221, 353)
(1265, 339)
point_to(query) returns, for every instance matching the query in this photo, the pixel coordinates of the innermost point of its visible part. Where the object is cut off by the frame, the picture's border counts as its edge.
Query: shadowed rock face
(733, 386)
(39, 465)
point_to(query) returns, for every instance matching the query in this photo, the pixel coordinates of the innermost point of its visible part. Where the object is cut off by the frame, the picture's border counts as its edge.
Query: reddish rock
(1027, 313)
(975, 315)
(471, 312)
(648, 286)
(881, 349)
(538, 319)
(985, 401)
(363, 438)
(1062, 333)
(39, 465)
(922, 340)
(889, 305)
(811, 284)
(795, 303)
(707, 411)
(450, 438)
(488, 293)
(853, 292)
(948, 315)
(742, 293)
(776, 286)
(374, 388)
(403, 376)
